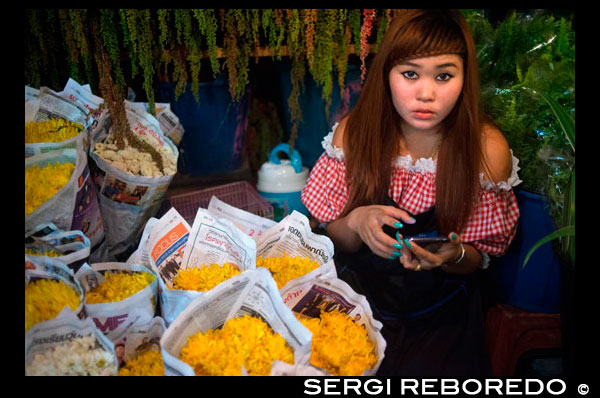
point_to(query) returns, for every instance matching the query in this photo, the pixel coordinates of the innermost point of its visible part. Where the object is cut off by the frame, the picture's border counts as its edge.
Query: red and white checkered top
(491, 227)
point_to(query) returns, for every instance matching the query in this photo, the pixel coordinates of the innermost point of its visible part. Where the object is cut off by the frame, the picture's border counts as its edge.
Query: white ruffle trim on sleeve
(507, 185)
(332, 151)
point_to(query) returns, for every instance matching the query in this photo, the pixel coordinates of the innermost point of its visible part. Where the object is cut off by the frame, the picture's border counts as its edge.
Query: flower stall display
(286, 267)
(70, 247)
(346, 338)
(68, 346)
(204, 277)
(252, 300)
(176, 251)
(246, 341)
(341, 345)
(50, 286)
(53, 130)
(58, 187)
(118, 295)
(42, 182)
(131, 175)
(290, 250)
(140, 354)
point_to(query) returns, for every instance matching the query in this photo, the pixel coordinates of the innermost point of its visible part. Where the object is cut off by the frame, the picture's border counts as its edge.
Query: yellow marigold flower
(54, 130)
(118, 286)
(340, 344)
(286, 268)
(49, 253)
(42, 183)
(243, 340)
(205, 277)
(146, 363)
(46, 298)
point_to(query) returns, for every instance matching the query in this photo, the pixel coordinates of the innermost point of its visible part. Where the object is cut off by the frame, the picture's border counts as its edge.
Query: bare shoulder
(338, 135)
(497, 156)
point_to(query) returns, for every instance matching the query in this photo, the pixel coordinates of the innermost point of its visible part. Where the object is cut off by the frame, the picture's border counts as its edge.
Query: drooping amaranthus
(365, 32)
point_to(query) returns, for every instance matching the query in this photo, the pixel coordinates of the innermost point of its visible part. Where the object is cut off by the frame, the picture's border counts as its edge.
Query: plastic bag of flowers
(50, 286)
(214, 251)
(290, 250)
(131, 181)
(54, 121)
(238, 328)
(68, 346)
(118, 295)
(69, 247)
(58, 190)
(141, 354)
(346, 339)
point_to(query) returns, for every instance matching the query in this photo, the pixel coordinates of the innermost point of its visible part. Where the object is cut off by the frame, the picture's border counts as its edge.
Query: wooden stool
(511, 332)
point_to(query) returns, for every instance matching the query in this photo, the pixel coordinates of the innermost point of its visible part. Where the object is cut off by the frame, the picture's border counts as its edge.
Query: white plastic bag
(115, 318)
(252, 292)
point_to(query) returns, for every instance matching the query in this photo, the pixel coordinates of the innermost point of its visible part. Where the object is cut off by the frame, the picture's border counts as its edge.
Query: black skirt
(432, 321)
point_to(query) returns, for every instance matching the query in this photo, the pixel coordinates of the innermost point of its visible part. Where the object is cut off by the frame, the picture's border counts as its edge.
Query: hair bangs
(426, 36)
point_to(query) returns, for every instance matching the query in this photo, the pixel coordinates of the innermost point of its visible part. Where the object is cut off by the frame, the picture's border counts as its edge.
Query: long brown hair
(373, 132)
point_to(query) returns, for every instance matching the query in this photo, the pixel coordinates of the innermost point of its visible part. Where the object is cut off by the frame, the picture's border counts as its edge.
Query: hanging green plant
(111, 43)
(79, 23)
(128, 43)
(140, 32)
(296, 48)
(70, 43)
(207, 24)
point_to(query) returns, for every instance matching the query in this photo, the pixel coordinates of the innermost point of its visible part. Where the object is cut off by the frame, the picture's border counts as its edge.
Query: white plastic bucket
(280, 182)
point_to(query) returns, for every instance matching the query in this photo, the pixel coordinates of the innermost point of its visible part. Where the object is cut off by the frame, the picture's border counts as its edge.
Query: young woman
(415, 155)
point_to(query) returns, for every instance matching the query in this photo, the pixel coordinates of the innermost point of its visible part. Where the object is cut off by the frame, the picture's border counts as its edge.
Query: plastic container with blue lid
(280, 182)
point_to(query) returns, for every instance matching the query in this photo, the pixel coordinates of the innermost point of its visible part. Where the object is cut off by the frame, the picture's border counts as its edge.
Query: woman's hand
(416, 258)
(367, 223)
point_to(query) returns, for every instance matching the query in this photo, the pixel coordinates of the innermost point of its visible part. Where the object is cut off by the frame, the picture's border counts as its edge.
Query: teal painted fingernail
(407, 243)
(453, 236)
(392, 258)
(398, 236)
(397, 254)
(398, 246)
(398, 225)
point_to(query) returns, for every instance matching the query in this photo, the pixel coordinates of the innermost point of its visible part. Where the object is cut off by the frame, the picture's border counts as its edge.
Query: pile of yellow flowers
(340, 344)
(42, 183)
(205, 277)
(46, 298)
(54, 130)
(118, 286)
(49, 253)
(243, 340)
(146, 363)
(286, 268)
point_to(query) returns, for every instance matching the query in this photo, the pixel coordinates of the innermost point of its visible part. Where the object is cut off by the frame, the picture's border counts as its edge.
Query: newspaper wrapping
(172, 245)
(75, 206)
(249, 223)
(65, 327)
(141, 336)
(168, 121)
(73, 246)
(293, 236)
(44, 267)
(46, 104)
(308, 295)
(253, 292)
(115, 318)
(127, 201)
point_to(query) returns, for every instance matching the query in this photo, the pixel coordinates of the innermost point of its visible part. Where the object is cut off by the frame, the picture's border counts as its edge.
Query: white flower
(78, 357)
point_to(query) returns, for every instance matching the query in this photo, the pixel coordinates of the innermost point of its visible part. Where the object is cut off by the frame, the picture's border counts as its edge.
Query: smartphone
(429, 243)
(426, 240)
